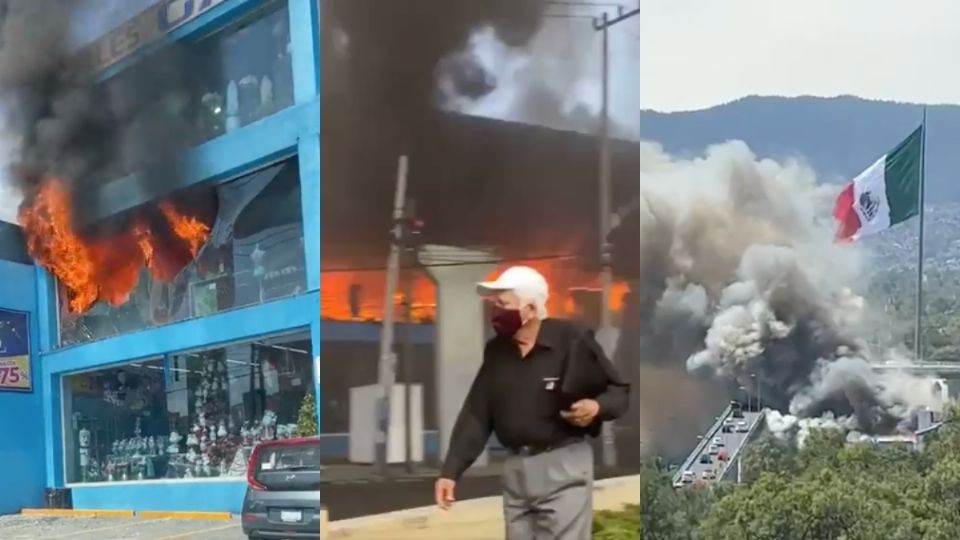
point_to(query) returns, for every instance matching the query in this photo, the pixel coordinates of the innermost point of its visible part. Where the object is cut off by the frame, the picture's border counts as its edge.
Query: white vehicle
(708, 474)
(688, 477)
(743, 426)
(718, 441)
(712, 450)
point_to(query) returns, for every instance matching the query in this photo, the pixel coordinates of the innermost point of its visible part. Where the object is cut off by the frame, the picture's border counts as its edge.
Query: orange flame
(104, 268)
(567, 286)
(186, 228)
(52, 242)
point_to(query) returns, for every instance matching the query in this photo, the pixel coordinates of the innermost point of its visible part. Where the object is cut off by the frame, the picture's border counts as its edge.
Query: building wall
(291, 131)
(21, 421)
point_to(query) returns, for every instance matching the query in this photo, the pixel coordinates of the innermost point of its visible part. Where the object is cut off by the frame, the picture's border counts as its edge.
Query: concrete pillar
(459, 328)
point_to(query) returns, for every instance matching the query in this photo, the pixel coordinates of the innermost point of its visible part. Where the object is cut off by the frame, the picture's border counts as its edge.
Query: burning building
(161, 292)
(203, 259)
(173, 216)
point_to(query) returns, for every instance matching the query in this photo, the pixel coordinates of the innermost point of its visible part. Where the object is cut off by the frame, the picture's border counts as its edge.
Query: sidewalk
(477, 519)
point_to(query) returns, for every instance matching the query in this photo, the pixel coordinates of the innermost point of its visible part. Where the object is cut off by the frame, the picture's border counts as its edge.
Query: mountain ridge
(837, 136)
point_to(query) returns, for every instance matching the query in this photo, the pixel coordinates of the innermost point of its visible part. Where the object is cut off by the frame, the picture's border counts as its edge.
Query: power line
(602, 25)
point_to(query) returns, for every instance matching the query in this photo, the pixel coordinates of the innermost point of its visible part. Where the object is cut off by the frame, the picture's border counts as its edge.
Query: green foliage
(620, 525)
(828, 490)
(307, 418)
(893, 292)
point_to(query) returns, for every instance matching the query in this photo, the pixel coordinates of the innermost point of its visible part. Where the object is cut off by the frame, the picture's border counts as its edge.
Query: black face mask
(506, 322)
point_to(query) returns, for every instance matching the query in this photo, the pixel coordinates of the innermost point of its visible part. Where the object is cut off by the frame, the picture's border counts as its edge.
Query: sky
(695, 54)
(680, 55)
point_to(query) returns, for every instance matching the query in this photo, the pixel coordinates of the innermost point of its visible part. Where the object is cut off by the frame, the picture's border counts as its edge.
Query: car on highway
(743, 426)
(708, 475)
(705, 459)
(736, 409)
(718, 441)
(712, 450)
(283, 490)
(688, 477)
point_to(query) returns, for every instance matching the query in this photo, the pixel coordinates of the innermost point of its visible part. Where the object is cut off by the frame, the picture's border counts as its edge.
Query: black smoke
(73, 124)
(380, 63)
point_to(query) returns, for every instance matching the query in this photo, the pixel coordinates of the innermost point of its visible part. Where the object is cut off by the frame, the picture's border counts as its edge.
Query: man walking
(544, 388)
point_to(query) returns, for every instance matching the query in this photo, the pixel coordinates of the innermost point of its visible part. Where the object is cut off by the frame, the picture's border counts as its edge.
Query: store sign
(163, 17)
(14, 352)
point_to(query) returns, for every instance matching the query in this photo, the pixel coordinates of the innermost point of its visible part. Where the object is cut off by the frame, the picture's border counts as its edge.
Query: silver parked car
(283, 490)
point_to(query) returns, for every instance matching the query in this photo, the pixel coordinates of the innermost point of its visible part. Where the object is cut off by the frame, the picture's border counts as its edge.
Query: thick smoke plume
(65, 124)
(735, 275)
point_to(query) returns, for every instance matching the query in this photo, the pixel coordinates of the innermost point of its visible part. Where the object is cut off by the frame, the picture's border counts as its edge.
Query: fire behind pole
(388, 358)
(606, 275)
(918, 328)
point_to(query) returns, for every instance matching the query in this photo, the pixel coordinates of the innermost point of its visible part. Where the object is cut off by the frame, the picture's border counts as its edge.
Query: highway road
(727, 439)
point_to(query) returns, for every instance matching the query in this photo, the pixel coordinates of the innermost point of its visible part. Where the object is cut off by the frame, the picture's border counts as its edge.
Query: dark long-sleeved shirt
(520, 398)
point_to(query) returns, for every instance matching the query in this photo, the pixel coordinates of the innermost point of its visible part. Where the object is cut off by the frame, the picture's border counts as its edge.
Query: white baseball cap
(515, 278)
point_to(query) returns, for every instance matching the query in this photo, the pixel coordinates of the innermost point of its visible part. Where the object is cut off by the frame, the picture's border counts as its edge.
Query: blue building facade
(154, 402)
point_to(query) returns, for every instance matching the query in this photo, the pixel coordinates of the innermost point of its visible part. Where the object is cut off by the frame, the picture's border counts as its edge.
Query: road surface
(718, 440)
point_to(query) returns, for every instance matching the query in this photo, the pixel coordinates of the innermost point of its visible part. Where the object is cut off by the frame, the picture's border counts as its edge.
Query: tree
(769, 454)
(307, 418)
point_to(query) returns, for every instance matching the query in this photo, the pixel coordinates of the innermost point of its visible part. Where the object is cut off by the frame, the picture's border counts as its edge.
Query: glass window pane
(190, 92)
(210, 248)
(195, 415)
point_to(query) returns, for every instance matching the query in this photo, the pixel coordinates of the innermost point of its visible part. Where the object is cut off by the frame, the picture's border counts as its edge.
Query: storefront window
(191, 415)
(188, 93)
(242, 245)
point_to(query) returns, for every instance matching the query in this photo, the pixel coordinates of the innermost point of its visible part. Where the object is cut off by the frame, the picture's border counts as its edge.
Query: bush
(617, 525)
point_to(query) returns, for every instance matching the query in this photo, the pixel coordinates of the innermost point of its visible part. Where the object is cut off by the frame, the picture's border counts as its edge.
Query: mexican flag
(886, 193)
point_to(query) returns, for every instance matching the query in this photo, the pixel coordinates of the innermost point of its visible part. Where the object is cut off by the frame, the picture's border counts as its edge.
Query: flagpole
(918, 329)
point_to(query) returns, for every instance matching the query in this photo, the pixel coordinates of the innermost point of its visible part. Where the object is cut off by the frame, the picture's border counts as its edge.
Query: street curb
(61, 512)
(146, 514)
(610, 493)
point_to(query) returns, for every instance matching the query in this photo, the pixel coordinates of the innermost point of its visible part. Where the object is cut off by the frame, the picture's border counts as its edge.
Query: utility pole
(603, 25)
(606, 276)
(409, 248)
(387, 368)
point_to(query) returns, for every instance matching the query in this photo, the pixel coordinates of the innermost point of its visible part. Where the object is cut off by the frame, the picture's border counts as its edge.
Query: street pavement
(477, 519)
(48, 528)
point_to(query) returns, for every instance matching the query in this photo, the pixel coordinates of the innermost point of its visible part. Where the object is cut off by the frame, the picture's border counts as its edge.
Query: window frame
(302, 332)
(294, 160)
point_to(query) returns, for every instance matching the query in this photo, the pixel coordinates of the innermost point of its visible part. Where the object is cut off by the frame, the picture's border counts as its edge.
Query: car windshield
(289, 457)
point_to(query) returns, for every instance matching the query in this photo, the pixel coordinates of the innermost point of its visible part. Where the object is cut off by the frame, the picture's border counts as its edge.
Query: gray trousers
(549, 496)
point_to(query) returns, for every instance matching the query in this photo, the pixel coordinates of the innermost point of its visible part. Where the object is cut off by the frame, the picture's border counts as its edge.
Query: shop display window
(246, 248)
(189, 92)
(186, 416)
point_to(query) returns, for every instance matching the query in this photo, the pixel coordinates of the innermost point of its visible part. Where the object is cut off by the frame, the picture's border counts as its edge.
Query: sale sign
(14, 352)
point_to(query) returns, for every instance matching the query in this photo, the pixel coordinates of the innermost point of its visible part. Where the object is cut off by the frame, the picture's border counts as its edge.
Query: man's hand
(443, 491)
(582, 413)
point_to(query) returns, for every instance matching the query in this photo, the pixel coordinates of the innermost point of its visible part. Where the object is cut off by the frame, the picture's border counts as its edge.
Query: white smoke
(555, 80)
(744, 255)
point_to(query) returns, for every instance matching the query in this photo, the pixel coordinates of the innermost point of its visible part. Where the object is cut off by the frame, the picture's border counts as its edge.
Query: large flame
(104, 268)
(569, 288)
